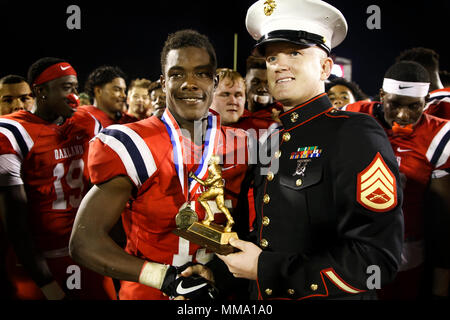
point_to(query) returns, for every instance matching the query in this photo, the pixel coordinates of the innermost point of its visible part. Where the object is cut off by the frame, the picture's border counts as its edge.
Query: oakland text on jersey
(64, 153)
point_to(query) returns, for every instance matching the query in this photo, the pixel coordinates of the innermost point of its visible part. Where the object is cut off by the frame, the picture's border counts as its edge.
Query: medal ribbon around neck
(188, 185)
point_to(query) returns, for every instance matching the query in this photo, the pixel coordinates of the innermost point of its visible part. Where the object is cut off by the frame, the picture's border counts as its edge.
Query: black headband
(299, 37)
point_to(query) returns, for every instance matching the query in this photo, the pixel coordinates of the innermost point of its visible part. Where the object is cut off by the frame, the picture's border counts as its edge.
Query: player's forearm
(90, 242)
(101, 254)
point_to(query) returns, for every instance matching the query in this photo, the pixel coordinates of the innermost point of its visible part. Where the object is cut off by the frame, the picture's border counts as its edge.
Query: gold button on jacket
(286, 136)
(264, 243)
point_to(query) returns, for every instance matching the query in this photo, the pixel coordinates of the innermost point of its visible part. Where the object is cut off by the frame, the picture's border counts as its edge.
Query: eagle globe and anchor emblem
(269, 7)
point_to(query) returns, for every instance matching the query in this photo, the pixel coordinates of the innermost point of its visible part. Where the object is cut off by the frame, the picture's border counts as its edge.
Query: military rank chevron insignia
(377, 188)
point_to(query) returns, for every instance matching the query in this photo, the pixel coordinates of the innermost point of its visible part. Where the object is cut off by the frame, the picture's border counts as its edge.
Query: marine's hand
(243, 264)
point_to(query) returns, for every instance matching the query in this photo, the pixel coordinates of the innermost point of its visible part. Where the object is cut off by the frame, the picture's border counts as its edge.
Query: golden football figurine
(215, 192)
(207, 234)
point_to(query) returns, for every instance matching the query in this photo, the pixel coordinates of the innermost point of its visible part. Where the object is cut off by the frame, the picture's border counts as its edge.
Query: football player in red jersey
(421, 143)
(107, 86)
(15, 94)
(438, 103)
(262, 110)
(138, 99)
(229, 96)
(43, 177)
(143, 167)
(257, 89)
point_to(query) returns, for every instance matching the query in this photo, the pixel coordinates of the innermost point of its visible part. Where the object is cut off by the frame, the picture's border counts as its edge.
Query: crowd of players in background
(245, 102)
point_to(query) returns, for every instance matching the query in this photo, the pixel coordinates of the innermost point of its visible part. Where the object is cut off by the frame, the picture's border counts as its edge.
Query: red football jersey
(143, 151)
(260, 121)
(104, 119)
(421, 155)
(439, 104)
(51, 162)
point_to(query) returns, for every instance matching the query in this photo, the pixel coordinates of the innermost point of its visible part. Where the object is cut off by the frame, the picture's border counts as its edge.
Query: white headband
(404, 88)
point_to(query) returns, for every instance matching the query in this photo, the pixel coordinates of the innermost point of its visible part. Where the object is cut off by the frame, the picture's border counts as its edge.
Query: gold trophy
(206, 233)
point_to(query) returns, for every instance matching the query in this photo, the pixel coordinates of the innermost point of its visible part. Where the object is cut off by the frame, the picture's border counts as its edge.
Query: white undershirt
(10, 165)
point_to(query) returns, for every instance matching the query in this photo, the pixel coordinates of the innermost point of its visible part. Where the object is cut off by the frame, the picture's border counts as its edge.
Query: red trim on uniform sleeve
(331, 274)
(332, 116)
(317, 115)
(302, 105)
(259, 289)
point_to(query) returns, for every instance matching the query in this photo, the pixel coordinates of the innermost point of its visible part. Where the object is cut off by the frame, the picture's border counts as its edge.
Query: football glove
(193, 287)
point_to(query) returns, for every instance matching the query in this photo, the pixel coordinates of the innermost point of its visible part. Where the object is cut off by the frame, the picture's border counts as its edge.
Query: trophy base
(211, 237)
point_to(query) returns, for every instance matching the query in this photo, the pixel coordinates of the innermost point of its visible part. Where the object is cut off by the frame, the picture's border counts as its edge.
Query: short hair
(187, 38)
(101, 76)
(426, 57)
(39, 66)
(353, 86)
(155, 85)
(12, 79)
(233, 76)
(255, 62)
(409, 71)
(140, 83)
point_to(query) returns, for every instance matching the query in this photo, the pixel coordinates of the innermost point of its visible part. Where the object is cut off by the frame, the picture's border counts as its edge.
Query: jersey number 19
(72, 181)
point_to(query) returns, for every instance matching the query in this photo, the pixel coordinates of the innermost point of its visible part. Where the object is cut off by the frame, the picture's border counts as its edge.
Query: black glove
(193, 287)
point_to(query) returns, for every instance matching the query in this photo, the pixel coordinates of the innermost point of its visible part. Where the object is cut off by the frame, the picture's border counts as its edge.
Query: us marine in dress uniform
(328, 205)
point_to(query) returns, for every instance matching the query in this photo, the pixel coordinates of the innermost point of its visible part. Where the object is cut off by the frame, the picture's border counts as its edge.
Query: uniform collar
(306, 111)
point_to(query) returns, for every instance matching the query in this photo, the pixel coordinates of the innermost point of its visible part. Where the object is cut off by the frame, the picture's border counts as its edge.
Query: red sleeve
(90, 124)
(360, 106)
(103, 163)
(440, 109)
(5, 145)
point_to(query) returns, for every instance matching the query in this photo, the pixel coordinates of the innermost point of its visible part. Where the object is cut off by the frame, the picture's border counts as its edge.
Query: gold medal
(185, 217)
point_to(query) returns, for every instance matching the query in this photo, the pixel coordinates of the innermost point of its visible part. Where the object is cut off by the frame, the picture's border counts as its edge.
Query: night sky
(130, 34)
